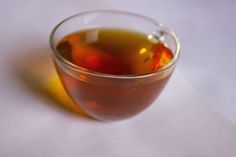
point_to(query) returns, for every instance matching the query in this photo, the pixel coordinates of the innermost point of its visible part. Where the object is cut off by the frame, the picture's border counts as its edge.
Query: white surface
(195, 115)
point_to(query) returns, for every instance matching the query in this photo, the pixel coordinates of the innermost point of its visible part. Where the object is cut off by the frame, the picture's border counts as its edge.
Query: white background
(194, 116)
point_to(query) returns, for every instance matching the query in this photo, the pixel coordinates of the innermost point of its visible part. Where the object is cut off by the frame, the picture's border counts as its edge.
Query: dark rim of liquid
(129, 76)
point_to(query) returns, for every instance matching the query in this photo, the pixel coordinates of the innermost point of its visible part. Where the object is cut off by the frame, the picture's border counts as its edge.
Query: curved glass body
(108, 96)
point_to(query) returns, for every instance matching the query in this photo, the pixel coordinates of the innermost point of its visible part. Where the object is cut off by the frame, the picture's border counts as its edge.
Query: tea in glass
(113, 73)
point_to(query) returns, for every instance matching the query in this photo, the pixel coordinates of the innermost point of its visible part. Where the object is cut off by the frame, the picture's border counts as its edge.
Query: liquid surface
(114, 51)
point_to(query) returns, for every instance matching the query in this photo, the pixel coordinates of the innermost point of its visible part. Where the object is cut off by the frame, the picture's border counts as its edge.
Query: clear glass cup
(110, 97)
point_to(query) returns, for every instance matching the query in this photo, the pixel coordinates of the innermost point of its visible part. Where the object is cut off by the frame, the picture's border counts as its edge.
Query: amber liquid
(116, 52)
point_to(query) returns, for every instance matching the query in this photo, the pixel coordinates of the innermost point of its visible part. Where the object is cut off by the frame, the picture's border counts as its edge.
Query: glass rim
(129, 76)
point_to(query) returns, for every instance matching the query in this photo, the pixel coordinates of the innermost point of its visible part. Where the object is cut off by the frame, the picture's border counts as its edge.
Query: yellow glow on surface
(56, 90)
(38, 73)
(142, 51)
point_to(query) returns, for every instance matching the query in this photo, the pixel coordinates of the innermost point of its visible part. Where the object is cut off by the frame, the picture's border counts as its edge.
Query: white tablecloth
(194, 116)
